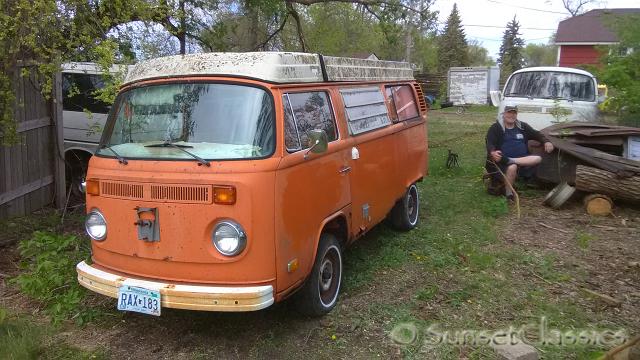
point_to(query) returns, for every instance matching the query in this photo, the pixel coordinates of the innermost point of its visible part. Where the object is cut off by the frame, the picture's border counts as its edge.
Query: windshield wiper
(201, 161)
(121, 160)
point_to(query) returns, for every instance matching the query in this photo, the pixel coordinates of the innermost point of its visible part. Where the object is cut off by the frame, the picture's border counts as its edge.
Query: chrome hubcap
(326, 275)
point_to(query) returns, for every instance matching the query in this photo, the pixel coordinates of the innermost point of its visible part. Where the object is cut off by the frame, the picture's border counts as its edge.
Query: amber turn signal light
(224, 195)
(93, 187)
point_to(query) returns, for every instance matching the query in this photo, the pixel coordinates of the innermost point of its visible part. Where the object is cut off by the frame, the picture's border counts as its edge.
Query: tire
(319, 294)
(76, 169)
(405, 213)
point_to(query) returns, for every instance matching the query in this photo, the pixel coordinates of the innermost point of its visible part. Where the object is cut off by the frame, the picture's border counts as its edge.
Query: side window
(365, 109)
(403, 102)
(305, 112)
(78, 91)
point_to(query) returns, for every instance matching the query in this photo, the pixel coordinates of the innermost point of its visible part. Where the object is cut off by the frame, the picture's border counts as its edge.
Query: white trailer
(472, 85)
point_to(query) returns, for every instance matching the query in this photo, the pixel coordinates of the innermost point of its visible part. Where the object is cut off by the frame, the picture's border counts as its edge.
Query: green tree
(511, 50)
(44, 33)
(332, 28)
(621, 67)
(478, 55)
(452, 43)
(540, 55)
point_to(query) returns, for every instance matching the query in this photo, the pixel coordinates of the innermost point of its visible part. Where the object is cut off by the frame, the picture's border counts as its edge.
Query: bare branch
(368, 9)
(361, 2)
(278, 30)
(574, 7)
(296, 17)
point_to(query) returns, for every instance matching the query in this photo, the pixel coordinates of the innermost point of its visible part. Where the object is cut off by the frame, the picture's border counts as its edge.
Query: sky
(485, 20)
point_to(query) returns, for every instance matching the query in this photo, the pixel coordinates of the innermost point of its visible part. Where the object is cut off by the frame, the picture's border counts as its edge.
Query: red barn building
(579, 37)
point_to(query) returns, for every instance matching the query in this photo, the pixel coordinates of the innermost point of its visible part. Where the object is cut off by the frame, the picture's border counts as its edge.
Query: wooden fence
(32, 171)
(431, 83)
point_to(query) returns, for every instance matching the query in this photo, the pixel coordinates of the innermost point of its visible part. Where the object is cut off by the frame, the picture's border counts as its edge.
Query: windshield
(213, 121)
(551, 85)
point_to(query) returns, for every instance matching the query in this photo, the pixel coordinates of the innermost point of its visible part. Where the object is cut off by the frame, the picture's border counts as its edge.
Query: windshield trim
(593, 81)
(110, 123)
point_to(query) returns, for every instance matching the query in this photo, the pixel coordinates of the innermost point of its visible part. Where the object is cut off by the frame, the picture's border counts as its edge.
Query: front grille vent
(123, 190)
(181, 193)
(176, 193)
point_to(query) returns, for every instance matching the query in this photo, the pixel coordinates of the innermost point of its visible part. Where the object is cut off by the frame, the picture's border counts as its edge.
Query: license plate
(132, 298)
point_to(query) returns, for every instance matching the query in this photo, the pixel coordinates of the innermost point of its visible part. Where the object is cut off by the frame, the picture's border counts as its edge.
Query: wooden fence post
(58, 129)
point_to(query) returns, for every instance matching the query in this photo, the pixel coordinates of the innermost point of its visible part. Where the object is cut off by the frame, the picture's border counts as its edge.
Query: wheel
(460, 110)
(404, 215)
(319, 293)
(76, 169)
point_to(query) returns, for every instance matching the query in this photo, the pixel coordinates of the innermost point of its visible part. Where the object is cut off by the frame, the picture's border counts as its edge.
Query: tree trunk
(605, 182)
(407, 42)
(182, 35)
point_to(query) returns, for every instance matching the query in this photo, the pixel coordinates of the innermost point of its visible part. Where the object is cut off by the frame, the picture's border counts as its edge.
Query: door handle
(345, 170)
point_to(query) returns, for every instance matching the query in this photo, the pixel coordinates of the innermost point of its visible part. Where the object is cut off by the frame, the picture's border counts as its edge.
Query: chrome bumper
(190, 297)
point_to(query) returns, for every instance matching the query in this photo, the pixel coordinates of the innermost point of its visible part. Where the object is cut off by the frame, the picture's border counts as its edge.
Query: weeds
(18, 338)
(49, 274)
(584, 239)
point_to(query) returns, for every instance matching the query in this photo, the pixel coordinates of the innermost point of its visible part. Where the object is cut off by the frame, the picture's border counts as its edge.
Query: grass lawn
(454, 272)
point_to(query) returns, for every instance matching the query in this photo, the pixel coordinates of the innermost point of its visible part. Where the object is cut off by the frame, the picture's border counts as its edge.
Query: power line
(487, 39)
(528, 8)
(504, 27)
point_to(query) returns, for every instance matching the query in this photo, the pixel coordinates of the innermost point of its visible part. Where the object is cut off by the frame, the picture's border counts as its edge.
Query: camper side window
(403, 103)
(304, 112)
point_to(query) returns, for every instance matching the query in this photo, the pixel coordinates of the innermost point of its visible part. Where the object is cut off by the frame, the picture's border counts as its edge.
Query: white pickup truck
(549, 95)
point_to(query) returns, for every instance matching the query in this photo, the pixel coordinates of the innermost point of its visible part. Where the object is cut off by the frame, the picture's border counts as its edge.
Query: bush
(620, 70)
(49, 262)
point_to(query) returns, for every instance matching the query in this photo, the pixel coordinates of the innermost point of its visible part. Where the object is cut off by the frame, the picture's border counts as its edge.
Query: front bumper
(178, 296)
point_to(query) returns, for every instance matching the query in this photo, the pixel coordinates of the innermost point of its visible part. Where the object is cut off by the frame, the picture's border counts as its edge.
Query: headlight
(229, 238)
(96, 225)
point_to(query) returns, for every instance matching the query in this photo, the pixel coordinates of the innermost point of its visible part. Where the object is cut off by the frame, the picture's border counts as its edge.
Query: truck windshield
(551, 85)
(214, 121)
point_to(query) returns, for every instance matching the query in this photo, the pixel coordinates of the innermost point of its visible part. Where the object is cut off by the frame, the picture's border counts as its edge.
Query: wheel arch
(337, 225)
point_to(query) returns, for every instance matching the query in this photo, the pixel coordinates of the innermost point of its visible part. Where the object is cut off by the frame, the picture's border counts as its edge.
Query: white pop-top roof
(277, 67)
(92, 68)
(554, 68)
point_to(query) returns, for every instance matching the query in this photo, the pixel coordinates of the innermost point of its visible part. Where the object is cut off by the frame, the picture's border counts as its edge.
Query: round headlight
(229, 238)
(96, 225)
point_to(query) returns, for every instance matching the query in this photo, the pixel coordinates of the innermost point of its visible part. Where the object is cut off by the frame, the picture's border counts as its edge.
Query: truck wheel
(319, 293)
(404, 215)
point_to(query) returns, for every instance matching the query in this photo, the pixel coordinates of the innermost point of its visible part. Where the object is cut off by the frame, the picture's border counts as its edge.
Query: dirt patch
(599, 254)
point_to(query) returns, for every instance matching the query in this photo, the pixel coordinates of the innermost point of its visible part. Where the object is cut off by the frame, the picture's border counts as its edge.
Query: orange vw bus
(230, 181)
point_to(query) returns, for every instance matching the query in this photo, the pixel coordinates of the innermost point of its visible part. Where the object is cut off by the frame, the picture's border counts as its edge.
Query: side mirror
(496, 97)
(318, 140)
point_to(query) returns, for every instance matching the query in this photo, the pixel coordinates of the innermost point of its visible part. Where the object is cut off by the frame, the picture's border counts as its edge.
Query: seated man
(507, 147)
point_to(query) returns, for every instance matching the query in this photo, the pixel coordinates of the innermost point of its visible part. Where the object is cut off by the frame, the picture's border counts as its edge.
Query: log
(594, 180)
(598, 204)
